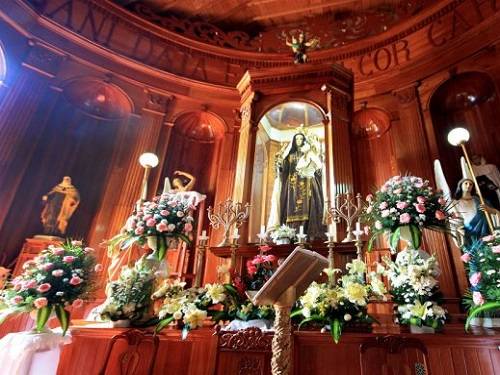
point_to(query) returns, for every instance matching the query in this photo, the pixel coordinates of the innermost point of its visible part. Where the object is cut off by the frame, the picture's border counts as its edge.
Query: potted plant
(415, 291)
(482, 260)
(283, 235)
(340, 305)
(129, 297)
(188, 307)
(402, 207)
(59, 278)
(156, 223)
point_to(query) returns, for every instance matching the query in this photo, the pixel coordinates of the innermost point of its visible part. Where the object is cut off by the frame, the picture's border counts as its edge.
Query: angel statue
(470, 222)
(300, 45)
(297, 198)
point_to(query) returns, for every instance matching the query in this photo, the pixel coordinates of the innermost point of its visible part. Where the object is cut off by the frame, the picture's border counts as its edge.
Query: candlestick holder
(229, 213)
(301, 239)
(200, 263)
(330, 243)
(234, 245)
(347, 208)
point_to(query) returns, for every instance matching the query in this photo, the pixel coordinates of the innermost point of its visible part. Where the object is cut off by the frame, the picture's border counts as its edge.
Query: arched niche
(276, 129)
(98, 98)
(468, 100)
(194, 147)
(326, 90)
(371, 143)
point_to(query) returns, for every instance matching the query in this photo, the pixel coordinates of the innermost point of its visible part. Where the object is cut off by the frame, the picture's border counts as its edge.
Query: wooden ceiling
(264, 13)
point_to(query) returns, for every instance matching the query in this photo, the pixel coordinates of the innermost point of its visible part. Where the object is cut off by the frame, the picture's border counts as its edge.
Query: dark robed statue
(298, 189)
(60, 204)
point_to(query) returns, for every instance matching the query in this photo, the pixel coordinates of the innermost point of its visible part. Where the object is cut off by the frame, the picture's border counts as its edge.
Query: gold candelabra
(347, 208)
(229, 213)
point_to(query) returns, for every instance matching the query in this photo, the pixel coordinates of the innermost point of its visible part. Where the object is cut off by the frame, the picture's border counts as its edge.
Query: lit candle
(301, 230)
(358, 232)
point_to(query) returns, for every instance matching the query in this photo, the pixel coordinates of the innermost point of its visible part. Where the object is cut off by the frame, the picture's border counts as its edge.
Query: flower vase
(406, 236)
(156, 265)
(282, 241)
(33, 315)
(421, 329)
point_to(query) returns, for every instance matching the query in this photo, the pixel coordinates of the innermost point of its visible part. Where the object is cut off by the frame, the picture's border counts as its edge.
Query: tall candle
(262, 230)
(331, 229)
(358, 226)
(301, 230)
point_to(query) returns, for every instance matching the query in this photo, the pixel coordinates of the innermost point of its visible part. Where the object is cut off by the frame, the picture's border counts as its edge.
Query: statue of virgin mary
(297, 197)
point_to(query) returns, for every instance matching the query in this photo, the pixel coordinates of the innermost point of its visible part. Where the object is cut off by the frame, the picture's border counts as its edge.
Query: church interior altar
(244, 187)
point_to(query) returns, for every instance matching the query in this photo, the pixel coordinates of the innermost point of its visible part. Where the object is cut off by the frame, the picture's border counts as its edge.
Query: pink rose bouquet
(165, 218)
(482, 261)
(59, 278)
(405, 201)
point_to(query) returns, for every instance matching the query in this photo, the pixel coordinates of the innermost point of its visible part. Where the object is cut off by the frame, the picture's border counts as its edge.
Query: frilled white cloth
(26, 353)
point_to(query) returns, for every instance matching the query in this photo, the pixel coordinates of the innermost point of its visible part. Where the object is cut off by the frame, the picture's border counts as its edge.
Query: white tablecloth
(26, 353)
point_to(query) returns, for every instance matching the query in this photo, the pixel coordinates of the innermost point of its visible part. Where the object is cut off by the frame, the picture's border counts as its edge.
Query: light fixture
(148, 160)
(458, 136)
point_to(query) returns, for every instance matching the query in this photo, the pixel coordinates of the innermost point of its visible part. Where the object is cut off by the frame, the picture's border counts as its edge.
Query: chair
(393, 355)
(134, 358)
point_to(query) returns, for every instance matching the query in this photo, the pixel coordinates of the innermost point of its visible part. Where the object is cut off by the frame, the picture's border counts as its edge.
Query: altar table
(203, 353)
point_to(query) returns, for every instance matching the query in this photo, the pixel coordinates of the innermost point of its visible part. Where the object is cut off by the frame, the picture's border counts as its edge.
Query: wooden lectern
(290, 280)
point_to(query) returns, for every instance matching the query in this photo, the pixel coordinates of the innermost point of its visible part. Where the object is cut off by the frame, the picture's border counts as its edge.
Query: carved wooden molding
(246, 339)
(407, 94)
(43, 59)
(157, 103)
(250, 366)
(393, 344)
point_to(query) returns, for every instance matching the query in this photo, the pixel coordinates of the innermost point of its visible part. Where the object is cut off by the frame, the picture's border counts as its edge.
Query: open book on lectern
(299, 269)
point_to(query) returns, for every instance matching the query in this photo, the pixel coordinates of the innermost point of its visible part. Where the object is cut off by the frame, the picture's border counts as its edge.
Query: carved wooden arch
(120, 92)
(273, 104)
(458, 72)
(179, 115)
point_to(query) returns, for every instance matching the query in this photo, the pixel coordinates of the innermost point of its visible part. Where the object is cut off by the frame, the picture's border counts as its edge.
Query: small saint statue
(60, 204)
(300, 45)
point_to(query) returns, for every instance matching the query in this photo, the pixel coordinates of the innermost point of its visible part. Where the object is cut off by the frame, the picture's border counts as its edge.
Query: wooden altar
(248, 353)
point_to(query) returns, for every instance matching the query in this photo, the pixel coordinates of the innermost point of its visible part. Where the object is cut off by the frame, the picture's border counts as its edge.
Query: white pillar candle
(331, 229)
(203, 233)
(262, 230)
(301, 230)
(235, 233)
(358, 226)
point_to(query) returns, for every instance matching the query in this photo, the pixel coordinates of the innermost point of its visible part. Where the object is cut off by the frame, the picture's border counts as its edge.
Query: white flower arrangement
(283, 232)
(188, 307)
(341, 304)
(415, 289)
(129, 296)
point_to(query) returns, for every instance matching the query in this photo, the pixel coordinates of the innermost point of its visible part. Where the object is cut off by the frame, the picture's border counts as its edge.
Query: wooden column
(123, 188)
(338, 142)
(25, 107)
(245, 157)
(413, 156)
